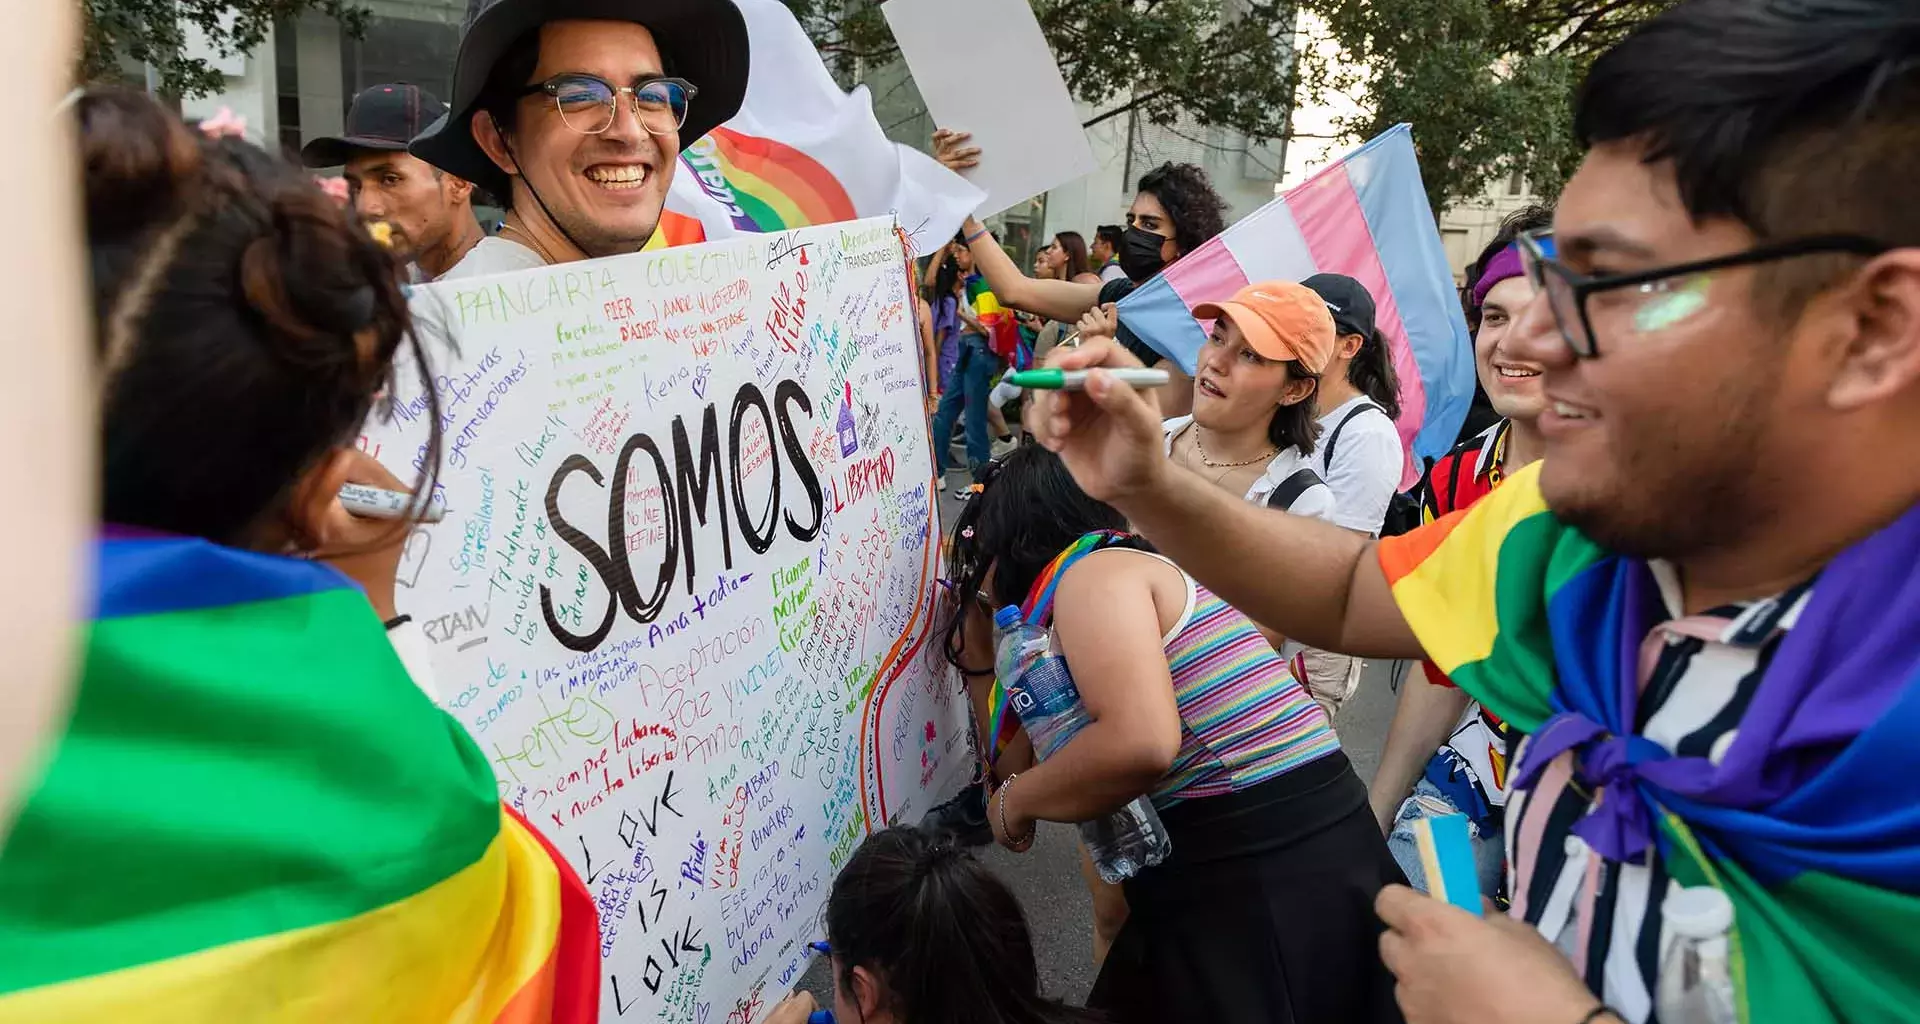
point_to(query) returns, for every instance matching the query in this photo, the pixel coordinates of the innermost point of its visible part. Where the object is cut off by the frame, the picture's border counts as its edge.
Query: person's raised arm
(1307, 579)
(1109, 629)
(932, 271)
(1423, 718)
(1056, 300)
(929, 349)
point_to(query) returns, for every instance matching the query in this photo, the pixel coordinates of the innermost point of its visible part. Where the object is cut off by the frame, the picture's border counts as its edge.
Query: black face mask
(1140, 254)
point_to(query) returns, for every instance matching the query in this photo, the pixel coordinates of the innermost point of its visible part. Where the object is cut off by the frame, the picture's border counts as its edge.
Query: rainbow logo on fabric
(766, 185)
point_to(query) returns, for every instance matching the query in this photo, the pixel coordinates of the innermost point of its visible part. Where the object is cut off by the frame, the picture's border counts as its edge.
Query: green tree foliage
(1487, 84)
(155, 32)
(1225, 62)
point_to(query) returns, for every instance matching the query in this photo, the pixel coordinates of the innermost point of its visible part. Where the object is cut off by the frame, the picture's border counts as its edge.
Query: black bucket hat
(703, 41)
(383, 118)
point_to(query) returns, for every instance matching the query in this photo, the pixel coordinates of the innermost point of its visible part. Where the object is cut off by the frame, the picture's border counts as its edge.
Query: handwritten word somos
(695, 487)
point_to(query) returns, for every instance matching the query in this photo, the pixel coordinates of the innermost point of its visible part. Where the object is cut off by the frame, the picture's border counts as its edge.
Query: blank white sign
(983, 67)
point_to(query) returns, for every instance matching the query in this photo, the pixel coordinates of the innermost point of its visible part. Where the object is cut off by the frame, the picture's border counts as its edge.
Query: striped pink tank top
(1244, 719)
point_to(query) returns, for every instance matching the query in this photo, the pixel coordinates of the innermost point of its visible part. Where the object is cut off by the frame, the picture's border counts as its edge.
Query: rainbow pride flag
(801, 151)
(1003, 331)
(1809, 821)
(254, 814)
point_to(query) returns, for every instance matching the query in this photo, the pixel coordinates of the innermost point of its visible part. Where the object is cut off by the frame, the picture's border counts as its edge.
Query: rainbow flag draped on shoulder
(1809, 821)
(254, 814)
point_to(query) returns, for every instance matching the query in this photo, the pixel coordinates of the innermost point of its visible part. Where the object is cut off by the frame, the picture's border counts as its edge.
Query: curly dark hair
(1197, 211)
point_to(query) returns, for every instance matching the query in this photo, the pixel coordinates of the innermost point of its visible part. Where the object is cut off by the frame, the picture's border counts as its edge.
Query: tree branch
(1132, 104)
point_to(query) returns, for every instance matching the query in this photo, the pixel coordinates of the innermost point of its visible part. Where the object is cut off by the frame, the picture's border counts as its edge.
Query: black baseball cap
(1348, 300)
(384, 118)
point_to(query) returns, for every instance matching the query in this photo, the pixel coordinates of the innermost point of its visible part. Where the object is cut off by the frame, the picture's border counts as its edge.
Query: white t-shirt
(1316, 501)
(1368, 461)
(494, 255)
(1112, 272)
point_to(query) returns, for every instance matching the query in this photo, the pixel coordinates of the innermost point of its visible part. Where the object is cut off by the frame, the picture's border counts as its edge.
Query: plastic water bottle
(1043, 695)
(1696, 986)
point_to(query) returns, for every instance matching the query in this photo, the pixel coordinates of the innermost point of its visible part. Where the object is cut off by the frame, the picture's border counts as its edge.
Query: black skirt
(1262, 914)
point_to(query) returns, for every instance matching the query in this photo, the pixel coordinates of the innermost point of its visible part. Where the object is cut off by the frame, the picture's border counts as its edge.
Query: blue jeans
(972, 379)
(1489, 852)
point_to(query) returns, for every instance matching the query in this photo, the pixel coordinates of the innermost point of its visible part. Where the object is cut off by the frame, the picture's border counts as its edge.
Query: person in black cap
(428, 212)
(574, 112)
(1359, 453)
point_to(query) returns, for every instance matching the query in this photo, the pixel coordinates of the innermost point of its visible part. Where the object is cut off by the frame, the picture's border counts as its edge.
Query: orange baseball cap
(1281, 320)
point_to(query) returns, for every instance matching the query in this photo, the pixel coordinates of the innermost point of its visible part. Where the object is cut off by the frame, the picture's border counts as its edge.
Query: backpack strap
(1292, 488)
(1334, 438)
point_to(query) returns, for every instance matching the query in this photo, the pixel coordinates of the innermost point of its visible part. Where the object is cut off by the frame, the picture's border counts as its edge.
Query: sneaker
(941, 481)
(1005, 445)
(964, 818)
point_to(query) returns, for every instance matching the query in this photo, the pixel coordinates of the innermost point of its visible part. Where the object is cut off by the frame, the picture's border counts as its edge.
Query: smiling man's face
(606, 190)
(1512, 384)
(1684, 417)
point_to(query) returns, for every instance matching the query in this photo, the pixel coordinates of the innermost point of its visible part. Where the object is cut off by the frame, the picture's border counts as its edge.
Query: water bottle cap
(1698, 912)
(1007, 618)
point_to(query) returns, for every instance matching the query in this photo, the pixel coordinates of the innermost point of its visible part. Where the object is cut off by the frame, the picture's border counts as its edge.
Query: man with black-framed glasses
(573, 113)
(1702, 603)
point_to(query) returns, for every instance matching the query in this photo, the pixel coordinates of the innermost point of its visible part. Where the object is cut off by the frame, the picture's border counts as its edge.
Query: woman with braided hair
(254, 812)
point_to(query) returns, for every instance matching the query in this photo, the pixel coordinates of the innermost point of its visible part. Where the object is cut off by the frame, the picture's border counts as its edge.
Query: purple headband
(1502, 266)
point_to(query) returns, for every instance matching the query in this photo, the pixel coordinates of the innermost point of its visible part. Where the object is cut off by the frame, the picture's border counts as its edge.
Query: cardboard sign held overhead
(983, 67)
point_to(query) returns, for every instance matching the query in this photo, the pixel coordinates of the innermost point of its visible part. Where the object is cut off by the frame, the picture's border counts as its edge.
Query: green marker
(1076, 380)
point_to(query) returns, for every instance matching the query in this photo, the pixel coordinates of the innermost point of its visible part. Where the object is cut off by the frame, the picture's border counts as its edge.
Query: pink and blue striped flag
(1365, 216)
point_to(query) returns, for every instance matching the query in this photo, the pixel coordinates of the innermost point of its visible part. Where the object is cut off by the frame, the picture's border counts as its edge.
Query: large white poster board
(984, 67)
(682, 595)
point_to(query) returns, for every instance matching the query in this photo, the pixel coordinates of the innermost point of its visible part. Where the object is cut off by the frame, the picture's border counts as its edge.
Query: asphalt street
(1047, 878)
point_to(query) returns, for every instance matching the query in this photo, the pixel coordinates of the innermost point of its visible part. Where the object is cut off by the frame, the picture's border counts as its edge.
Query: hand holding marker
(380, 503)
(1076, 380)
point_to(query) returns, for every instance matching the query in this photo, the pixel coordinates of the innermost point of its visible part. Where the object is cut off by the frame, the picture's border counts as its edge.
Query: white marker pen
(380, 503)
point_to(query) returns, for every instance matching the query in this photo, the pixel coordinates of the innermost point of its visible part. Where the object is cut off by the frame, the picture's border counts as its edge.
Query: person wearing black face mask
(1174, 212)
(1140, 252)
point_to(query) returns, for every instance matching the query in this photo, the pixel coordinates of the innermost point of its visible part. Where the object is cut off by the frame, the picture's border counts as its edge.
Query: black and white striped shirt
(1700, 673)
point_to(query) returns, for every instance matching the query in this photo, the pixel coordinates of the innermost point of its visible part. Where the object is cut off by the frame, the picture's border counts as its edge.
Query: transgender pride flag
(1365, 216)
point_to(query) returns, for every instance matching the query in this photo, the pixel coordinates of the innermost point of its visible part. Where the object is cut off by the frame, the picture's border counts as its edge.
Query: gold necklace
(534, 243)
(1210, 464)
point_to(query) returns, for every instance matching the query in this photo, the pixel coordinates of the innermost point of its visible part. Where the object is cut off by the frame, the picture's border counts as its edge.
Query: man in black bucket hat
(428, 213)
(574, 112)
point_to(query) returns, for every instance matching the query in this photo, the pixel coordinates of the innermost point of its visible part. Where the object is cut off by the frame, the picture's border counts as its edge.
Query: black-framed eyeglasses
(588, 103)
(1653, 300)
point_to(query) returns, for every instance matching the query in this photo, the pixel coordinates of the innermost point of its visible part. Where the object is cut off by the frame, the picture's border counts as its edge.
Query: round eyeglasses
(589, 103)
(1650, 300)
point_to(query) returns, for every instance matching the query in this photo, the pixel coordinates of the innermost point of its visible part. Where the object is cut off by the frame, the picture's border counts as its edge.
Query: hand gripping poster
(682, 596)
